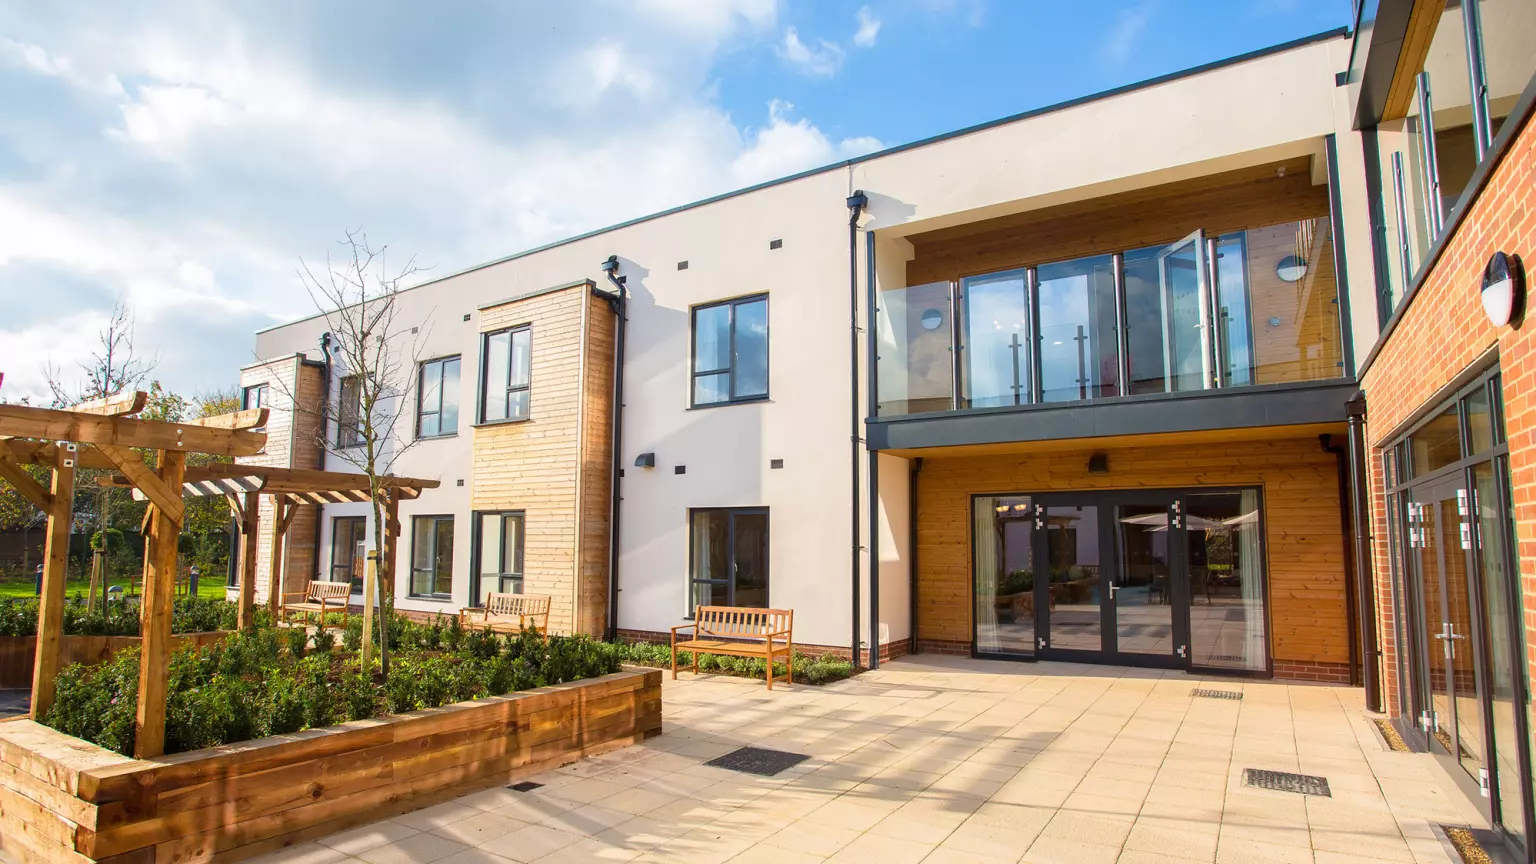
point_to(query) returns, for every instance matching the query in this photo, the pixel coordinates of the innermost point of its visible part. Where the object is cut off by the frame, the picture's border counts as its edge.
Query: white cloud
(248, 137)
(869, 28)
(1126, 30)
(823, 61)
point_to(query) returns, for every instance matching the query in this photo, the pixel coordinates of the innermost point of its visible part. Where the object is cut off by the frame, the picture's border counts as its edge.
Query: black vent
(680, 469)
(682, 265)
(466, 316)
(525, 786)
(1284, 781)
(758, 760)
(460, 483)
(775, 244)
(775, 463)
(1202, 693)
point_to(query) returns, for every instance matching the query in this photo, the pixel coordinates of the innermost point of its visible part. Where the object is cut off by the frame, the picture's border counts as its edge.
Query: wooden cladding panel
(548, 465)
(1304, 543)
(295, 394)
(1230, 201)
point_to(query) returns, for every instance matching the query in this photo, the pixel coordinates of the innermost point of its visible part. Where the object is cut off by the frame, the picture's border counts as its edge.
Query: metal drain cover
(1284, 781)
(525, 786)
(758, 760)
(1216, 694)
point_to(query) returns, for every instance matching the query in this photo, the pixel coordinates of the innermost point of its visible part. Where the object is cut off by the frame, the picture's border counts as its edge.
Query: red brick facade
(1444, 333)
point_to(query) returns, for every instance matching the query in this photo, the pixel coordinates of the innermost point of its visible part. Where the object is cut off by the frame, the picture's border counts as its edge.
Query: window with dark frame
(349, 414)
(730, 351)
(254, 396)
(728, 557)
(437, 398)
(506, 378)
(498, 545)
(432, 557)
(349, 550)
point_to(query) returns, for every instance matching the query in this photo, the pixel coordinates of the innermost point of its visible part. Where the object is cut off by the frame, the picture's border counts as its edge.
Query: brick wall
(1445, 333)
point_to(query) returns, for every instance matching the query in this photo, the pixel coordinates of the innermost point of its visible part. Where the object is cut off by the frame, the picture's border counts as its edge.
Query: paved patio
(945, 760)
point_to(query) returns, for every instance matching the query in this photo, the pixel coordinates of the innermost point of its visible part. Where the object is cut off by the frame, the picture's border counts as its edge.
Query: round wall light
(1503, 289)
(1291, 268)
(932, 319)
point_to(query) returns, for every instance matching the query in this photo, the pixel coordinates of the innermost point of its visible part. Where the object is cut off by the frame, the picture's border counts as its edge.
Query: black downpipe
(621, 307)
(1346, 516)
(871, 401)
(1365, 578)
(856, 203)
(916, 470)
(325, 405)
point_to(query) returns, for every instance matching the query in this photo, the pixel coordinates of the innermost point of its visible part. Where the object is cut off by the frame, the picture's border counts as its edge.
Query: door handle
(1112, 589)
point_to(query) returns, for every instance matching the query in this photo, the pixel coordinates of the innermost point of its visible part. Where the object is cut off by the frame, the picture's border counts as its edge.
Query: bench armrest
(781, 633)
(694, 627)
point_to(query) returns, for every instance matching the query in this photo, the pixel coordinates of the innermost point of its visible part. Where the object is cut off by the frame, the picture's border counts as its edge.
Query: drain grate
(1203, 693)
(1228, 658)
(1284, 781)
(758, 760)
(525, 786)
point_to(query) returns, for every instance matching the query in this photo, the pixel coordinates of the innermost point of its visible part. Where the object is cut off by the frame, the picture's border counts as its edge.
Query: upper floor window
(349, 415)
(437, 398)
(254, 397)
(730, 351)
(506, 377)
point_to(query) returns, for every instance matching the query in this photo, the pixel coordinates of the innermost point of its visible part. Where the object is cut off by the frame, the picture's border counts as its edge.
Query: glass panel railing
(996, 339)
(915, 371)
(1079, 348)
(1290, 328)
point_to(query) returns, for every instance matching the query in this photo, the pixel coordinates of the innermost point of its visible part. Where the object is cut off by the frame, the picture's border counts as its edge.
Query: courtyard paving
(957, 761)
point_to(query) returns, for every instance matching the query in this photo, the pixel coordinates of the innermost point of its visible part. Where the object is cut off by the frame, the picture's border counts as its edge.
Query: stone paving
(957, 761)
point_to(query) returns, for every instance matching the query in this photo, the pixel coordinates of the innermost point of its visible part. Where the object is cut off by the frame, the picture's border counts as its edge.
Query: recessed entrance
(1161, 578)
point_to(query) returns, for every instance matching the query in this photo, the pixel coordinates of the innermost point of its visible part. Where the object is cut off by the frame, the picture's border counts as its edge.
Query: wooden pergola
(104, 435)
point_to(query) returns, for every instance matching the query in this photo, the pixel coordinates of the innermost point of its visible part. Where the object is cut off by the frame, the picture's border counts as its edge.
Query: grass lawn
(12, 588)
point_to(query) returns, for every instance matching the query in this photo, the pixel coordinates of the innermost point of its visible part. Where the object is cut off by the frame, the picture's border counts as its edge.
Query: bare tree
(376, 357)
(113, 368)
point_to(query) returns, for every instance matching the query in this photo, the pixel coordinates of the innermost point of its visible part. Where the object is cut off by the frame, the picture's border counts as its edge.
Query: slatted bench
(510, 613)
(319, 598)
(740, 632)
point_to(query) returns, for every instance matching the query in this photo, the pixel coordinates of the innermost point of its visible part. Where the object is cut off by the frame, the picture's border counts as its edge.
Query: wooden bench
(510, 613)
(740, 632)
(319, 598)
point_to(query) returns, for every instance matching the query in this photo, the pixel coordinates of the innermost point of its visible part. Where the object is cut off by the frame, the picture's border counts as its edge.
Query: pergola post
(249, 521)
(50, 607)
(159, 595)
(281, 511)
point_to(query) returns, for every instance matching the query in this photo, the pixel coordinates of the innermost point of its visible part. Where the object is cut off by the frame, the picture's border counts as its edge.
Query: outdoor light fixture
(1503, 289)
(932, 319)
(1291, 268)
(1098, 463)
(645, 460)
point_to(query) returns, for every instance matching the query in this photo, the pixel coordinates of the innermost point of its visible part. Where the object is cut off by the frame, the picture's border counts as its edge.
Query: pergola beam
(159, 595)
(25, 421)
(248, 537)
(48, 659)
(11, 472)
(246, 418)
(118, 405)
(164, 498)
(44, 453)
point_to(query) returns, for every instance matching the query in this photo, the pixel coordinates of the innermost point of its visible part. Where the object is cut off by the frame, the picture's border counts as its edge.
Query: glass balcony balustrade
(1208, 312)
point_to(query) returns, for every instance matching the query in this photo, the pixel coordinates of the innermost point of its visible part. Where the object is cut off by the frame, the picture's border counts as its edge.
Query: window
(498, 555)
(506, 376)
(254, 397)
(349, 550)
(437, 398)
(432, 556)
(349, 427)
(728, 561)
(730, 351)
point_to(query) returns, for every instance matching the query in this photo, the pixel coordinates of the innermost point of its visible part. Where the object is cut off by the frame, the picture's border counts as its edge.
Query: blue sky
(186, 154)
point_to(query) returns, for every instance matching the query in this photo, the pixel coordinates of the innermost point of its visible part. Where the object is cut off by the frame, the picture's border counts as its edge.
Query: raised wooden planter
(17, 652)
(66, 800)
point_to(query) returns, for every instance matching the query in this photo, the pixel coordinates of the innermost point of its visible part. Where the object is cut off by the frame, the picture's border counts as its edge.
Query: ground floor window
(498, 565)
(1227, 621)
(432, 556)
(349, 550)
(728, 561)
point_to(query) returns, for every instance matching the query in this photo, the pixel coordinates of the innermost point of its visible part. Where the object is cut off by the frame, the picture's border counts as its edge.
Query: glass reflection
(1506, 664)
(1436, 444)
(1072, 551)
(1079, 353)
(1143, 581)
(1227, 627)
(996, 339)
(1004, 575)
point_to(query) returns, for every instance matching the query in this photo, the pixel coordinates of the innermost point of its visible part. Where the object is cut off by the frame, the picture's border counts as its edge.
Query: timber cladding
(555, 466)
(65, 800)
(1304, 542)
(295, 396)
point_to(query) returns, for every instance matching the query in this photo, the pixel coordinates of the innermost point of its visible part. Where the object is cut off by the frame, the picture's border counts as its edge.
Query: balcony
(1220, 310)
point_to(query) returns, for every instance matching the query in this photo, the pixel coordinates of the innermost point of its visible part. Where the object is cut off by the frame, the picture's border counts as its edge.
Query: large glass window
(1079, 349)
(728, 564)
(506, 379)
(349, 550)
(432, 556)
(498, 554)
(997, 344)
(437, 399)
(349, 417)
(730, 351)
(1227, 622)
(254, 397)
(1005, 574)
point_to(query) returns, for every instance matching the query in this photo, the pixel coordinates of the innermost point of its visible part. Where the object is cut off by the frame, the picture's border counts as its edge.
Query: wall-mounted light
(1291, 268)
(1503, 289)
(645, 460)
(932, 319)
(1098, 463)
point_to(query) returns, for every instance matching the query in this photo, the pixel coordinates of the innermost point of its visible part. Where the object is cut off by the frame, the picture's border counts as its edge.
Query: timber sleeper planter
(63, 799)
(18, 653)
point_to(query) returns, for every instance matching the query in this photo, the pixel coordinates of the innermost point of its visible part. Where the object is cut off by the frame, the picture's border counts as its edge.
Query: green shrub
(298, 640)
(808, 670)
(325, 641)
(18, 617)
